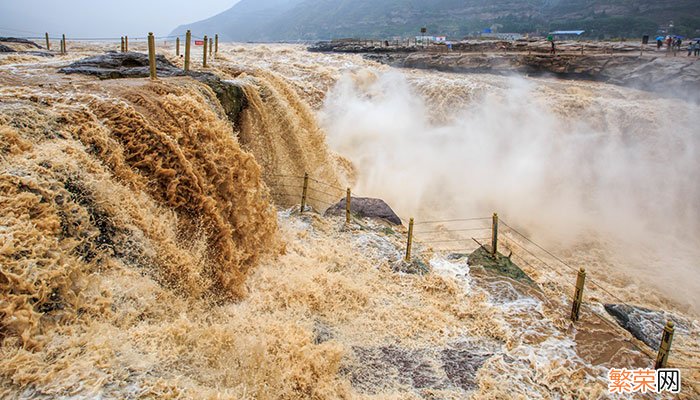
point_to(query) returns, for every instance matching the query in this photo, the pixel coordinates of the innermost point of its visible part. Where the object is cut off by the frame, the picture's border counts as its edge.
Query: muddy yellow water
(148, 250)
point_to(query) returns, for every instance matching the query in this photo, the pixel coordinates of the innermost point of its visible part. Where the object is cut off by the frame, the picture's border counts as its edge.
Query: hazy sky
(102, 18)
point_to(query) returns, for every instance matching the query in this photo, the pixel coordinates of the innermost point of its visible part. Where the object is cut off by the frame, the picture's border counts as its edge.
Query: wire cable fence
(305, 189)
(520, 249)
(633, 341)
(44, 40)
(558, 259)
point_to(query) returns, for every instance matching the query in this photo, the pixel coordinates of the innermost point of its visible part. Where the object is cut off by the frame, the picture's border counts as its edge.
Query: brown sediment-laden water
(148, 249)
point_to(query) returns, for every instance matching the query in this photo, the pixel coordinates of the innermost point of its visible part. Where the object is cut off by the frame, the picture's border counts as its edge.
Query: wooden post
(188, 39)
(177, 47)
(303, 192)
(578, 294)
(152, 54)
(494, 235)
(63, 39)
(121, 48)
(211, 47)
(126, 44)
(216, 44)
(204, 59)
(409, 242)
(665, 346)
(348, 199)
(48, 43)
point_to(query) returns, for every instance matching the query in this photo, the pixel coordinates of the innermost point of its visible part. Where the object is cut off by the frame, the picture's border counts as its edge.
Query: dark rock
(500, 264)
(671, 76)
(453, 366)
(645, 324)
(415, 267)
(456, 256)
(372, 46)
(19, 40)
(379, 368)
(462, 361)
(106, 229)
(38, 53)
(322, 333)
(113, 65)
(7, 49)
(366, 207)
(230, 94)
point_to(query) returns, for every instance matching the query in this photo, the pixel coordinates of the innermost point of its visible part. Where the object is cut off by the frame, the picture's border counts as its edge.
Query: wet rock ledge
(676, 76)
(114, 65)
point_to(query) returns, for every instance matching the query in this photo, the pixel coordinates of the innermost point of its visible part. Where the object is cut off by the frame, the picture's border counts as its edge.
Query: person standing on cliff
(551, 40)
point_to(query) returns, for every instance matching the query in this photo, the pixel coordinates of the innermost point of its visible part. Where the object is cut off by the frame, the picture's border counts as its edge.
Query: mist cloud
(570, 162)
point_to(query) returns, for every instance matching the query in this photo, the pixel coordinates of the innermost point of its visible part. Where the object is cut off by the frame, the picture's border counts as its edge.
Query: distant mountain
(283, 20)
(247, 20)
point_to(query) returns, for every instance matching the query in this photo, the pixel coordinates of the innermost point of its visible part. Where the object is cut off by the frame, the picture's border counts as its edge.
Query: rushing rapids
(142, 255)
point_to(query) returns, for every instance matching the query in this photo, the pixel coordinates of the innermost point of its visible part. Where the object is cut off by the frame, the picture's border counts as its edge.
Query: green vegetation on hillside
(271, 20)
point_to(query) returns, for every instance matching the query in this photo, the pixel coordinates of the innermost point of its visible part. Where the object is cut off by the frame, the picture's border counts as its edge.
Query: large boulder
(645, 324)
(115, 65)
(366, 207)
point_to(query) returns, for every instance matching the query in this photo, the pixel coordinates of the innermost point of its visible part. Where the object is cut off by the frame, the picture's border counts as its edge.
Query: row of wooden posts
(304, 192)
(210, 44)
(667, 336)
(62, 43)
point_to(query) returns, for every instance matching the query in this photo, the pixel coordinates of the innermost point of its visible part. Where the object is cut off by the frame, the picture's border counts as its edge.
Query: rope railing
(562, 262)
(452, 230)
(307, 189)
(459, 250)
(591, 310)
(452, 220)
(668, 331)
(326, 184)
(281, 185)
(90, 39)
(519, 249)
(322, 192)
(210, 43)
(434, 234)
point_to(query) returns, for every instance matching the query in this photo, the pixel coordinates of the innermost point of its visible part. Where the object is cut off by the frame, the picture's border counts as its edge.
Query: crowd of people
(674, 43)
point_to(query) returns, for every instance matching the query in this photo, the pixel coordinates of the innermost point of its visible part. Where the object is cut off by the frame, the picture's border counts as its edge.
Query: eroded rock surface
(645, 324)
(366, 207)
(19, 41)
(114, 65)
(452, 366)
(616, 63)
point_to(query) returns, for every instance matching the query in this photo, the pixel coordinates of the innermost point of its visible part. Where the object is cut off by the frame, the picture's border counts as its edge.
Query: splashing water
(132, 218)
